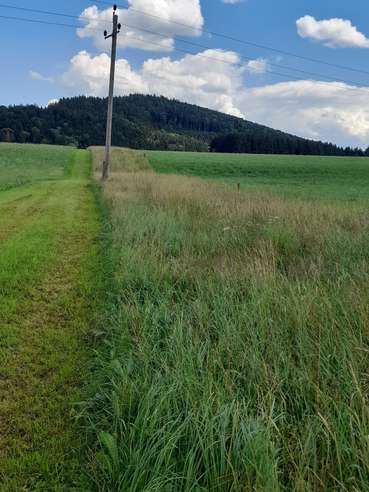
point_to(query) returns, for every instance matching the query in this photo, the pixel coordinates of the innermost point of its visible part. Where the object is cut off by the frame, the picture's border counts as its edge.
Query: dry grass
(248, 229)
(129, 160)
(239, 340)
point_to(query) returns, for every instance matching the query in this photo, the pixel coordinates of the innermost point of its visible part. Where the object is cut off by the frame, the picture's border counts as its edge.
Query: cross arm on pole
(109, 123)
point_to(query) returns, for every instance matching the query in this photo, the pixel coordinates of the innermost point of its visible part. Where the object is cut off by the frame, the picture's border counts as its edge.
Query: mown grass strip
(49, 266)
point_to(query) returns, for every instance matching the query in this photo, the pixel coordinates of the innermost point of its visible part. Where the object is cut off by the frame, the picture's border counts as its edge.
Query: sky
(176, 51)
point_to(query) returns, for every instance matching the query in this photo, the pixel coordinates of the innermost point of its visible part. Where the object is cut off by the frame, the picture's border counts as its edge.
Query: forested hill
(150, 122)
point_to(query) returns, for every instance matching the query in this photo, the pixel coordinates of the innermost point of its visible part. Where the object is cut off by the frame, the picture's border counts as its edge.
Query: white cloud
(334, 33)
(258, 66)
(328, 111)
(233, 2)
(210, 78)
(200, 79)
(37, 76)
(90, 75)
(167, 17)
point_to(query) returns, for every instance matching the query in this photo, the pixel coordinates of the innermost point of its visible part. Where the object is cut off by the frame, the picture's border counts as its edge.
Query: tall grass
(237, 349)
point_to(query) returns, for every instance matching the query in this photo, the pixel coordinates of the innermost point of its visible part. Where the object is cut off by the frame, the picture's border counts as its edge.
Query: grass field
(237, 358)
(48, 229)
(21, 166)
(231, 341)
(310, 177)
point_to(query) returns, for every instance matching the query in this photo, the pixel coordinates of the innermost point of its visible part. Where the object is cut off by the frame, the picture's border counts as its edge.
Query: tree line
(151, 122)
(263, 143)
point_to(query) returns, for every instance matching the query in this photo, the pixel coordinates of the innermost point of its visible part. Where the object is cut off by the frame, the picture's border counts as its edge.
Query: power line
(238, 40)
(38, 21)
(242, 56)
(240, 65)
(214, 33)
(49, 12)
(36, 11)
(314, 60)
(191, 43)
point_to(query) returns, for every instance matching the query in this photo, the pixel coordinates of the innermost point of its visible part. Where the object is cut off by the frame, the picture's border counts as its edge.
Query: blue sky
(42, 62)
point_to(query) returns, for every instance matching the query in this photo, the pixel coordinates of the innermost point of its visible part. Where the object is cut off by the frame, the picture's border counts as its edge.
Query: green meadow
(308, 177)
(161, 332)
(22, 165)
(239, 335)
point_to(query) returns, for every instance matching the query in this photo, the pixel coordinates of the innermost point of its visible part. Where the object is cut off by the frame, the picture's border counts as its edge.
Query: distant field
(22, 164)
(313, 177)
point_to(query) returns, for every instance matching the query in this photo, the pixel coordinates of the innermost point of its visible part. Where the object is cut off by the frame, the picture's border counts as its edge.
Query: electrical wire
(38, 21)
(185, 41)
(242, 56)
(202, 55)
(213, 33)
(238, 40)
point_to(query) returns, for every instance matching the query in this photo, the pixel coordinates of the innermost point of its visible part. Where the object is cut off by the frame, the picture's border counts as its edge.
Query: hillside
(150, 122)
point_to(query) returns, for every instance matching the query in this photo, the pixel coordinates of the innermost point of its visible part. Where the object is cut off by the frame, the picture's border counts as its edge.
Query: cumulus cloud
(90, 75)
(258, 66)
(210, 78)
(167, 17)
(327, 111)
(320, 110)
(193, 78)
(334, 33)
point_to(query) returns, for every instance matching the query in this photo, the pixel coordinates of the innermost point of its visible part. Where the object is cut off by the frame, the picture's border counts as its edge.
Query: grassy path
(47, 263)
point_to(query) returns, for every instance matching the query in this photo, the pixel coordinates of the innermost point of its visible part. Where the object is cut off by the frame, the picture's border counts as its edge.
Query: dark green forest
(152, 123)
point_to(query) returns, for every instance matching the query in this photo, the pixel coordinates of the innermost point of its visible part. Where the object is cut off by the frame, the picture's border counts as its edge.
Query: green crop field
(311, 177)
(161, 332)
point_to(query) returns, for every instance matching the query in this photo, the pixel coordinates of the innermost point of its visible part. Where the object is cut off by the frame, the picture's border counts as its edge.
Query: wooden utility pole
(109, 121)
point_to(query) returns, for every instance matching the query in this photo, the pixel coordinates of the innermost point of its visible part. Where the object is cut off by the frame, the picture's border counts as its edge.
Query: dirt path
(48, 262)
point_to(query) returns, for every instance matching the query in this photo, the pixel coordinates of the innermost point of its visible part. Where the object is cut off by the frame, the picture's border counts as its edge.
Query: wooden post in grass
(109, 121)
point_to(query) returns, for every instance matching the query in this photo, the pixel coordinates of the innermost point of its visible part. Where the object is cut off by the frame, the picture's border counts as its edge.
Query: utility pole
(109, 121)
